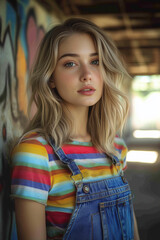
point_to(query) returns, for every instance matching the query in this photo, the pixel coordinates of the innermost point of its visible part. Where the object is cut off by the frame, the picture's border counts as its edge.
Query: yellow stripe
(64, 203)
(86, 173)
(30, 148)
(58, 178)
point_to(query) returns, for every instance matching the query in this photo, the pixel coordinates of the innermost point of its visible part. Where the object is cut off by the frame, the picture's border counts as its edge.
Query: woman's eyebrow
(75, 55)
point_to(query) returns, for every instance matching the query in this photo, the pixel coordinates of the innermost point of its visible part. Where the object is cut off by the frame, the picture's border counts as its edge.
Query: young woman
(67, 177)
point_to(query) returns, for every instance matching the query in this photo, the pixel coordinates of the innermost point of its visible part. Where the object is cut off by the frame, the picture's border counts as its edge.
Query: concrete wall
(23, 23)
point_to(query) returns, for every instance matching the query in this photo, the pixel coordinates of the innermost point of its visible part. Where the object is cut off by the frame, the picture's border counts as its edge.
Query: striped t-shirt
(40, 176)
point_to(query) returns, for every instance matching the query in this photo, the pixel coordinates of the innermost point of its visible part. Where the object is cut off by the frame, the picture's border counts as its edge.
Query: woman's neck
(79, 118)
(81, 138)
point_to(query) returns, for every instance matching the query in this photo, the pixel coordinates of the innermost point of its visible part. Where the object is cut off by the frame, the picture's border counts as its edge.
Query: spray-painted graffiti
(20, 33)
(34, 34)
(11, 118)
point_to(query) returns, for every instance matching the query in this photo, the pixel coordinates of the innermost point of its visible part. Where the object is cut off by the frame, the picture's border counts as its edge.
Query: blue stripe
(62, 186)
(24, 182)
(59, 209)
(29, 193)
(86, 155)
(30, 158)
(52, 157)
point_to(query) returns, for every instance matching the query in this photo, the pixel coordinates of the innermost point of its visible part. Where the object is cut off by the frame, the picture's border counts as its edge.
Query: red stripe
(32, 174)
(71, 149)
(61, 171)
(58, 217)
(118, 146)
(49, 149)
(124, 168)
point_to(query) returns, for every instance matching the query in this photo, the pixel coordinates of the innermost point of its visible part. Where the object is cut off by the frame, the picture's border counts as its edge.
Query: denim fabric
(103, 209)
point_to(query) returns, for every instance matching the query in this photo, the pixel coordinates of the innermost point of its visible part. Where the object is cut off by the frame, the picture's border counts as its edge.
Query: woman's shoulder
(122, 150)
(120, 146)
(32, 142)
(119, 143)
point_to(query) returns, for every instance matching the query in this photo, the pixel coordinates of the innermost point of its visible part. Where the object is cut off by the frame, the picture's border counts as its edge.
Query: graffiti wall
(23, 24)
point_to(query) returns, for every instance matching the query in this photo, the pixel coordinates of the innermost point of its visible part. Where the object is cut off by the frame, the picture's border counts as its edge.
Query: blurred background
(134, 25)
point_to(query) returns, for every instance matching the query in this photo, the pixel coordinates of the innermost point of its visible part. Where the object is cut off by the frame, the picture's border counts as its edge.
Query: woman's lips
(87, 90)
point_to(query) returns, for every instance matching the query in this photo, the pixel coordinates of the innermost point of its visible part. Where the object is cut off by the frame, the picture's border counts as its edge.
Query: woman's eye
(69, 64)
(95, 62)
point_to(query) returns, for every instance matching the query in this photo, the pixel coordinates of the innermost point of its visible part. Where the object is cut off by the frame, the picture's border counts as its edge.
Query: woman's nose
(86, 75)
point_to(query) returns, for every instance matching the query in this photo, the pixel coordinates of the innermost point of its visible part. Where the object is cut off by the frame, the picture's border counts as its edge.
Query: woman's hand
(30, 220)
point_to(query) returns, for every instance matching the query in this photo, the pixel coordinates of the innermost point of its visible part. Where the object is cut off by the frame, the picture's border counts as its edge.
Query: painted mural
(23, 24)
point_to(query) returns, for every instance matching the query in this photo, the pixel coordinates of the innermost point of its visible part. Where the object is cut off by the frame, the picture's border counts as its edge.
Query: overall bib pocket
(117, 219)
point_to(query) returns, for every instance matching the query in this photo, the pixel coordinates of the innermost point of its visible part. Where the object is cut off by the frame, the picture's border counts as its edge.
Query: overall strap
(77, 175)
(116, 162)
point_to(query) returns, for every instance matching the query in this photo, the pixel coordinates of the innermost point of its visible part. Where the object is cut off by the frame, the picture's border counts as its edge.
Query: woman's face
(77, 75)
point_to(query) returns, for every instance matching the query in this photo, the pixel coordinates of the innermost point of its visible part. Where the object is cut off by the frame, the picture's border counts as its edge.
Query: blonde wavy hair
(106, 117)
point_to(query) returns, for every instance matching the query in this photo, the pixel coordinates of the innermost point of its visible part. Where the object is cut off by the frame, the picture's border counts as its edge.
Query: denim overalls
(103, 208)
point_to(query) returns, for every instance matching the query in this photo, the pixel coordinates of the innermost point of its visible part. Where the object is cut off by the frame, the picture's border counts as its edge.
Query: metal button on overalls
(86, 189)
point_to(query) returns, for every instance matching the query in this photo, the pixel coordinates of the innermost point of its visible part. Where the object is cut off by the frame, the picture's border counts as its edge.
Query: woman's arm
(136, 234)
(30, 220)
